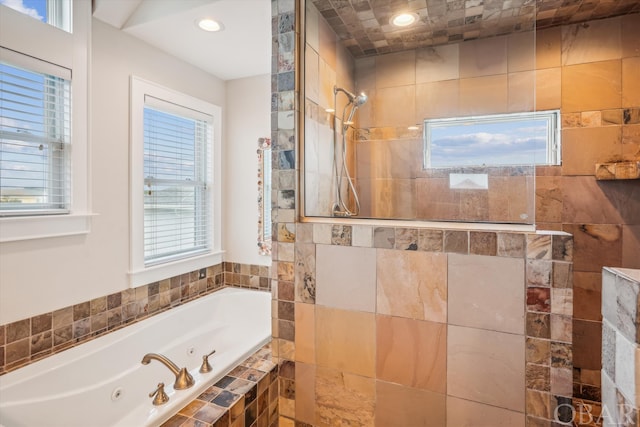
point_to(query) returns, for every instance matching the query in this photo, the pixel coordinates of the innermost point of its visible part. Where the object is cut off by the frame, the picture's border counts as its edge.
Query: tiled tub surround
(29, 340)
(246, 397)
(414, 326)
(620, 347)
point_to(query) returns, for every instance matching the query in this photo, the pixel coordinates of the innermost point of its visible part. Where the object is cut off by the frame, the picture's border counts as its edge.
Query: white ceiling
(242, 49)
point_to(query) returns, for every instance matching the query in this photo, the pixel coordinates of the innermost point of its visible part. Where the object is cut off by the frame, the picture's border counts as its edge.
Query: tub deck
(246, 396)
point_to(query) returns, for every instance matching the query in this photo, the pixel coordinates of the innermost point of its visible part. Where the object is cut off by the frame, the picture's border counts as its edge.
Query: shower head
(357, 101)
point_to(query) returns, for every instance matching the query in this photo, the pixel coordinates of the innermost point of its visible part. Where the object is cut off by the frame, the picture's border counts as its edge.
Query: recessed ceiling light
(208, 24)
(403, 19)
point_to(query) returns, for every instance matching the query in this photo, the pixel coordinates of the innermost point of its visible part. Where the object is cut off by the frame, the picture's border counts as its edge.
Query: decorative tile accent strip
(28, 340)
(246, 396)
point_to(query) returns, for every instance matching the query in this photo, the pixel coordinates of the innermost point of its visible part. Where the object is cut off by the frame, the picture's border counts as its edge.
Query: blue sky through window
(492, 143)
(35, 8)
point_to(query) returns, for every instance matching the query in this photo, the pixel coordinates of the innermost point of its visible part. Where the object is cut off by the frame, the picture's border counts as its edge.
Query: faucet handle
(206, 366)
(159, 395)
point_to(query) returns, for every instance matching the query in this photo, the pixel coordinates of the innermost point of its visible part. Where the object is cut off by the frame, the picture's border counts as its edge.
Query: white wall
(248, 118)
(37, 276)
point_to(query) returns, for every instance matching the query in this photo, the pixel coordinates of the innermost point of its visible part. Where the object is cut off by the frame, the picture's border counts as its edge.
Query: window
(53, 12)
(494, 140)
(34, 140)
(52, 171)
(176, 175)
(175, 185)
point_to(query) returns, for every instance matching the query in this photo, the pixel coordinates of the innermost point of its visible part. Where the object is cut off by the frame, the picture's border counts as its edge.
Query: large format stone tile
(305, 334)
(396, 69)
(548, 48)
(437, 100)
(521, 50)
(344, 399)
(484, 57)
(631, 82)
(486, 367)
(547, 86)
(595, 245)
(399, 406)
(411, 352)
(600, 40)
(412, 284)
(437, 63)
(484, 95)
(346, 277)
(582, 148)
(386, 102)
(592, 86)
(305, 392)
(486, 292)
(466, 413)
(345, 340)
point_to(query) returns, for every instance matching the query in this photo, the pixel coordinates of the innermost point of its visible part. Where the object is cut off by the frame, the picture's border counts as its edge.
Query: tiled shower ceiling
(363, 25)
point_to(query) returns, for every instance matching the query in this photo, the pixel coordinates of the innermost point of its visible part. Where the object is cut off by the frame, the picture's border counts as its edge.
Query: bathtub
(103, 383)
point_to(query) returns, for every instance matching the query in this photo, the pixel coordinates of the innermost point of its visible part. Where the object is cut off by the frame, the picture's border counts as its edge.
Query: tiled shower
(362, 285)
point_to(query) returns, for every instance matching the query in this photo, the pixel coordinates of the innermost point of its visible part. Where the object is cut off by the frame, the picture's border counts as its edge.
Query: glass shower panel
(386, 149)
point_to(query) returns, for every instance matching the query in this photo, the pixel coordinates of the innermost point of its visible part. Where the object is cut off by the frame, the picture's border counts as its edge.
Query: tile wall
(590, 72)
(620, 347)
(30, 340)
(409, 326)
(328, 64)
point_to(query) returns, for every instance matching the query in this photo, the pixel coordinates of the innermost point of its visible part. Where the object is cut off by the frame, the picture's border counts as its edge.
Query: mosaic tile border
(245, 397)
(29, 340)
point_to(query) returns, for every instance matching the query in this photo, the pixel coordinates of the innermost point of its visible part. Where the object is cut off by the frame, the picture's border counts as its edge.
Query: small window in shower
(493, 140)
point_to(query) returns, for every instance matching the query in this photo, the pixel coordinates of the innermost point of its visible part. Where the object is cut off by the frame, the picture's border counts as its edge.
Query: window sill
(15, 229)
(164, 271)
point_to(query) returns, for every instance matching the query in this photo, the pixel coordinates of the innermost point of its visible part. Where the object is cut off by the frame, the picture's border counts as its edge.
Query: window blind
(35, 132)
(177, 202)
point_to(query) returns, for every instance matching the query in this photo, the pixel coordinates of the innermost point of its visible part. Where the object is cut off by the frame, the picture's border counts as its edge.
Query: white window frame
(553, 147)
(30, 37)
(140, 273)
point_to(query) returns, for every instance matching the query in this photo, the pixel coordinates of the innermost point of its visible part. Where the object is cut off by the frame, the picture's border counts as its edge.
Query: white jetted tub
(102, 383)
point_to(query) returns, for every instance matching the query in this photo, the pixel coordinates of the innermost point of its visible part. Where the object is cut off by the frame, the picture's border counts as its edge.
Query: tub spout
(183, 377)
